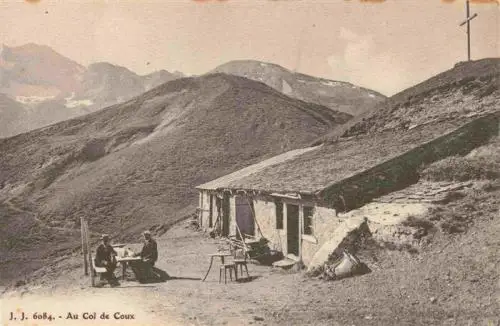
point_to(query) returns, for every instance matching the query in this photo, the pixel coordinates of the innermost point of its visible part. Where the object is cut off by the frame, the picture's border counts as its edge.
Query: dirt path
(183, 299)
(452, 282)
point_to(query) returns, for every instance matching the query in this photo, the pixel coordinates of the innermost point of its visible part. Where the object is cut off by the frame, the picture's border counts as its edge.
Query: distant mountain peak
(105, 64)
(337, 95)
(34, 46)
(32, 50)
(55, 87)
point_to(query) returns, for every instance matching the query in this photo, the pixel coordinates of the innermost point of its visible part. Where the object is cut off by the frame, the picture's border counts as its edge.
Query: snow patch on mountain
(33, 99)
(330, 83)
(71, 103)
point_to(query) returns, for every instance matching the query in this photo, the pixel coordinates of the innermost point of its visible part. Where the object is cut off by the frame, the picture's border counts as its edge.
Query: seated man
(106, 257)
(143, 269)
(149, 252)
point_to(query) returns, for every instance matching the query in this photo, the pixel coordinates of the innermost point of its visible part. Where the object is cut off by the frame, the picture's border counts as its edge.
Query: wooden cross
(467, 21)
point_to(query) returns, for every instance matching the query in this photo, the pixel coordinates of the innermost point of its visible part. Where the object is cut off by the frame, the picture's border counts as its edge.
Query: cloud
(363, 64)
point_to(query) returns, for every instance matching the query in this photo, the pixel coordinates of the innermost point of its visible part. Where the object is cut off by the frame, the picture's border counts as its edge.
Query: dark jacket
(105, 253)
(150, 251)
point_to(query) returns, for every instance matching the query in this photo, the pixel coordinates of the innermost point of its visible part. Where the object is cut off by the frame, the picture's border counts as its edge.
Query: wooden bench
(96, 270)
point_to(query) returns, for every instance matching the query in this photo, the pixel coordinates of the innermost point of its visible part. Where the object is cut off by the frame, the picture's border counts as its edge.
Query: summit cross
(467, 21)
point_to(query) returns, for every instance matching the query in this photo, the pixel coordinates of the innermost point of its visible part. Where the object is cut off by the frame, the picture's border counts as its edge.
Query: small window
(308, 220)
(279, 214)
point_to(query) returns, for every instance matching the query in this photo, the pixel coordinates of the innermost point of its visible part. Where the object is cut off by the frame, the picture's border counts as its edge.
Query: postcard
(249, 162)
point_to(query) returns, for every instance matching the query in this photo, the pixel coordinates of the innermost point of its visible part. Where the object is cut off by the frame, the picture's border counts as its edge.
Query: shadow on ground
(158, 276)
(247, 279)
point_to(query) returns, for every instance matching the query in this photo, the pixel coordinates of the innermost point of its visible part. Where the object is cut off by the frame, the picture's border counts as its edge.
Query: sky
(386, 46)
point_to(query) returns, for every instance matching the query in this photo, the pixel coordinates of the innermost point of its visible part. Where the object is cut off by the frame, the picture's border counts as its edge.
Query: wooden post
(84, 245)
(301, 228)
(201, 208)
(89, 250)
(210, 213)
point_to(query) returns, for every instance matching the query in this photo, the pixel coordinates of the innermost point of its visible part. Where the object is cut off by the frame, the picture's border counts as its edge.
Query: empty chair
(240, 260)
(224, 268)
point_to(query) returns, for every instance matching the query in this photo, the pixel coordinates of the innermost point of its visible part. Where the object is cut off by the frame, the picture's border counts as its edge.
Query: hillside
(16, 116)
(468, 90)
(55, 88)
(12, 112)
(134, 165)
(337, 95)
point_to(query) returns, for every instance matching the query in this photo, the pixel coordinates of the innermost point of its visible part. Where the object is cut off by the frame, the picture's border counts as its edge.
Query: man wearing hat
(106, 257)
(149, 252)
(149, 255)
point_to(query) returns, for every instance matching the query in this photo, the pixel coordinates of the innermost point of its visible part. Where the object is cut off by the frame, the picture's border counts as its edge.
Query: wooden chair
(96, 270)
(240, 260)
(224, 268)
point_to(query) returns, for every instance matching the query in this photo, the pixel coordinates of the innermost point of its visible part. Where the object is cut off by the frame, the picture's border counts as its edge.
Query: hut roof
(310, 170)
(225, 181)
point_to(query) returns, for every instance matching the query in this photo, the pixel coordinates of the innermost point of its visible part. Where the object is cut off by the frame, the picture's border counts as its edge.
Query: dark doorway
(244, 215)
(225, 215)
(211, 213)
(292, 226)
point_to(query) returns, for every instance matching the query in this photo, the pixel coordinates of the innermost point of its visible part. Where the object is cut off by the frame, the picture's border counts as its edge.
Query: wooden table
(221, 255)
(124, 261)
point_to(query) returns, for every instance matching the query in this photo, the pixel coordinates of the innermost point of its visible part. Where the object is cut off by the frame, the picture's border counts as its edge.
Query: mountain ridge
(337, 95)
(465, 91)
(45, 81)
(77, 90)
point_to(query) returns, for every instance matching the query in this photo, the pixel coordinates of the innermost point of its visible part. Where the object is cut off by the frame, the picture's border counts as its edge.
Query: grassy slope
(12, 114)
(134, 165)
(459, 93)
